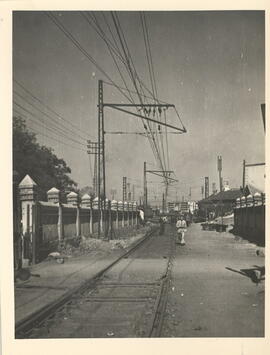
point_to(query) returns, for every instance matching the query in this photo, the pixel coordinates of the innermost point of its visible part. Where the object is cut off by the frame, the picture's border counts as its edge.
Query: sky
(209, 64)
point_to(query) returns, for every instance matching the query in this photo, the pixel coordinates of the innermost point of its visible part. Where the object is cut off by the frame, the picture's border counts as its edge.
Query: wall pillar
(86, 203)
(116, 219)
(114, 209)
(28, 199)
(53, 196)
(135, 212)
(125, 208)
(72, 199)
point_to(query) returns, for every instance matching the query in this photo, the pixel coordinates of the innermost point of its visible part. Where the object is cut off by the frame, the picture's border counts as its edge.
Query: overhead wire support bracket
(117, 107)
(138, 105)
(162, 173)
(165, 177)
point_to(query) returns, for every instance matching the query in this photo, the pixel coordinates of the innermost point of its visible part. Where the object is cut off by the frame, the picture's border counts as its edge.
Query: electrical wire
(134, 75)
(45, 126)
(47, 115)
(54, 139)
(79, 46)
(49, 108)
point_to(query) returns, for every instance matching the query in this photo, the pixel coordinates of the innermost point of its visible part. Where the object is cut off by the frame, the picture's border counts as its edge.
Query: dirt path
(209, 295)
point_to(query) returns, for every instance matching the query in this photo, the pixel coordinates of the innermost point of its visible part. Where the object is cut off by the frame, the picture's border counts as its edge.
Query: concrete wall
(249, 219)
(46, 224)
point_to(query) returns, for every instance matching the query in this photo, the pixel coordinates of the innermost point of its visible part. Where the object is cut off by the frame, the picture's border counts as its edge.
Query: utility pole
(133, 192)
(124, 189)
(202, 191)
(113, 193)
(101, 153)
(95, 175)
(93, 150)
(144, 186)
(101, 137)
(219, 166)
(244, 174)
(128, 192)
(206, 187)
(161, 173)
(163, 203)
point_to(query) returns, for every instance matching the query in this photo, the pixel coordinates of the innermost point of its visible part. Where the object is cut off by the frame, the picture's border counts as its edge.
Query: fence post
(110, 221)
(86, 202)
(114, 208)
(125, 208)
(72, 199)
(135, 213)
(28, 198)
(53, 195)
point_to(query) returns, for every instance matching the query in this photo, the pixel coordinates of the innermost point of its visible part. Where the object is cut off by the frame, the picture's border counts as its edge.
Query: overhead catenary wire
(129, 64)
(80, 47)
(102, 34)
(152, 76)
(119, 55)
(134, 76)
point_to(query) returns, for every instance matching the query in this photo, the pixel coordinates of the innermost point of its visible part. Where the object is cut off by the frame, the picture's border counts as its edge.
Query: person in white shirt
(141, 213)
(181, 227)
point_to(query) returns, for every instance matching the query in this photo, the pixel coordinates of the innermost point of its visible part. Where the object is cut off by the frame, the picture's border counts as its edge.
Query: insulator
(145, 127)
(159, 127)
(159, 110)
(154, 112)
(149, 111)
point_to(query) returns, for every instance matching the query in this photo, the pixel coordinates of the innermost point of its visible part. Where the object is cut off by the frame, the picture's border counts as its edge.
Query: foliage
(39, 162)
(87, 190)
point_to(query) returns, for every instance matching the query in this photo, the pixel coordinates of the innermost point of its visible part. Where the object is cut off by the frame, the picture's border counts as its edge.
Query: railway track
(127, 299)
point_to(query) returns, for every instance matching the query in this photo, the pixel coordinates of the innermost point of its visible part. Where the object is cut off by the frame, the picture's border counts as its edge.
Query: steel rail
(27, 324)
(161, 302)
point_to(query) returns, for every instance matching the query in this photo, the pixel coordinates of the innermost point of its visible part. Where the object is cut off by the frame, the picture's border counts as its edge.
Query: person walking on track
(181, 227)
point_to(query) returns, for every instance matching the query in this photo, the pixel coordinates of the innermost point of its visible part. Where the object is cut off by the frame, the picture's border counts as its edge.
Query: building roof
(251, 189)
(229, 195)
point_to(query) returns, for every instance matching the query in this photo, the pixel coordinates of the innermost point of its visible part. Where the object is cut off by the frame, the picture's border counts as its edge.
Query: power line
(102, 34)
(47, 115)
(45, 126)
(54, 139)
(79, 46)
(134, 75)
(49, 108)
(134, 92)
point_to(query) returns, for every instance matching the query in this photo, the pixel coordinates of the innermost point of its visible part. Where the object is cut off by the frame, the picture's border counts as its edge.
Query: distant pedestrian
(181, 227)
(188, 219)
(161, 226)
(141, 214)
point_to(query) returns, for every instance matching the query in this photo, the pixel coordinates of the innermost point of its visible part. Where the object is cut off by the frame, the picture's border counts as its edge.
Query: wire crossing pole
(219, 163)
(144, 187)
(124, 189)
(100, 118)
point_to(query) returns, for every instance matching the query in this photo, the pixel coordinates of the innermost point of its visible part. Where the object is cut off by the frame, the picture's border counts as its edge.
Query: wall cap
(27, 181)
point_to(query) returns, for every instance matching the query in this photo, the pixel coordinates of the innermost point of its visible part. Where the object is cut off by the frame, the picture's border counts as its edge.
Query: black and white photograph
(138, 174)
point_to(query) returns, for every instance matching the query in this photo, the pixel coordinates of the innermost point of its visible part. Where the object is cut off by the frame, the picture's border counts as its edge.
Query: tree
(87, 190)
(46, 169)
